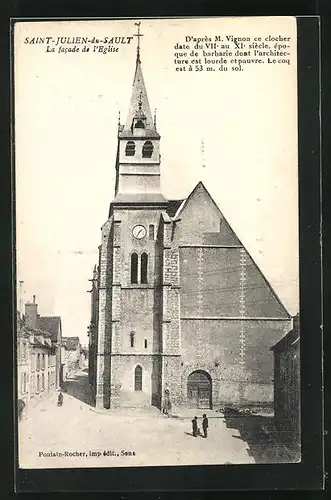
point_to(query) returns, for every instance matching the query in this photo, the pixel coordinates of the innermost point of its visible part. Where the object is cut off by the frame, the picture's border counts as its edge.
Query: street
(79, 435)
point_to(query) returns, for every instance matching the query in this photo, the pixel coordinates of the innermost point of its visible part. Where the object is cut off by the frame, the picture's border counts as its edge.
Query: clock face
(139, 232)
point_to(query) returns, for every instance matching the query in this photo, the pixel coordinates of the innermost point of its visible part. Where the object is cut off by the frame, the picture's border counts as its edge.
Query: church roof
(139, 198)
(173, 206)
(139, 100)
(184, 202)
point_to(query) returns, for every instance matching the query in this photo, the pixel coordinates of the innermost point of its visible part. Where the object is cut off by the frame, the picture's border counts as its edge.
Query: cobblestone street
(78, 435)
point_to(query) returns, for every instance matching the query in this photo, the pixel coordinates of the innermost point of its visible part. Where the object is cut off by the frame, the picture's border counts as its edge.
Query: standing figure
(167, 402)
(195, 426)
(60, 399)
(20, 408)
(204, 425)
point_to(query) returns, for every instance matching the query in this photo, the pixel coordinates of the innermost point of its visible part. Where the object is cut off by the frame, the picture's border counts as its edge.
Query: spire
(139, 100)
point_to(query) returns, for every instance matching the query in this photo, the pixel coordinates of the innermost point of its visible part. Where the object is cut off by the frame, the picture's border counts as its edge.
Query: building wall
(128, 308)
(216, 347)
(123, 377)
(71, 360)
(23, 370)
(287, 386)
(42, 374)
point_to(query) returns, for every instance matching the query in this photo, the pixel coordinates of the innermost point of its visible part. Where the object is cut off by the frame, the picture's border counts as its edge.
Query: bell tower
(130, 261)
(138, 153)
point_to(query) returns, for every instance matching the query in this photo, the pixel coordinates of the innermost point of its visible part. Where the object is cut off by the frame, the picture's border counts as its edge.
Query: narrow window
(144, 262)
(147, 149)
(132, 339)
(134, 268)
(138, 378)
(38, 362)
(151, 232)
(145, 343)
(130, 148)
(38, 383)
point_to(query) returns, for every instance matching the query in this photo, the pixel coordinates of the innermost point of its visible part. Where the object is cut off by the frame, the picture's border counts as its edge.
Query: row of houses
(45, 358)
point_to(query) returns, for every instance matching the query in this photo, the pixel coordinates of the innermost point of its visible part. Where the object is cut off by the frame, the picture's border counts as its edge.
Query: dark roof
(173, 206)
(71, 343)
(50, 324)
(287, 341)
(128, 134)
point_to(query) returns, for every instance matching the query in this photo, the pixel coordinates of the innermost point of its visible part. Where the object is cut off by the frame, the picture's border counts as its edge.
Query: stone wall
(215, 347)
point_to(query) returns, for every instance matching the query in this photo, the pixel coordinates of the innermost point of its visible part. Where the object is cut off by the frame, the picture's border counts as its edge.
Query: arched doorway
(138, 378)
(199, 390)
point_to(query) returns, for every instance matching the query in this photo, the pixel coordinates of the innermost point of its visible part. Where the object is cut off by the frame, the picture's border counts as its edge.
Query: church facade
(179, 308)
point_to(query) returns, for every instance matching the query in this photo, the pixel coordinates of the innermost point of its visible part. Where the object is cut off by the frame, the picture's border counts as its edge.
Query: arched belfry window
(130, 148)
(148, 149)
(131, 339)
(139, 124)
(143, 268)
(134, 268)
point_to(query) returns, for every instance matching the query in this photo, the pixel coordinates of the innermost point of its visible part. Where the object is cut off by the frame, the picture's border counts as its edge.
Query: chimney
(31, 314)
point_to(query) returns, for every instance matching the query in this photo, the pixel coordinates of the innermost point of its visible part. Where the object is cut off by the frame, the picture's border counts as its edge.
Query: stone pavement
(79, 435)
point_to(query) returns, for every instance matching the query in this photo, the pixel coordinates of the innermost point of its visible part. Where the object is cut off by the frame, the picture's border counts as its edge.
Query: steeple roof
(139, 100)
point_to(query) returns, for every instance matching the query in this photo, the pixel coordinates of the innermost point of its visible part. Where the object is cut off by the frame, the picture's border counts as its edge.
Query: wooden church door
(199, 390)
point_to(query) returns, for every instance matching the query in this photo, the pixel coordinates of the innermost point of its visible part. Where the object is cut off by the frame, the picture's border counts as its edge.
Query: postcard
(156, 167)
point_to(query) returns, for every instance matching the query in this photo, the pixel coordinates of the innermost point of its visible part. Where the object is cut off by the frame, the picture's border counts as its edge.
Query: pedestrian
(167, 403)
(60, 399)
(195, 426)
(20, 407)
(205, 425)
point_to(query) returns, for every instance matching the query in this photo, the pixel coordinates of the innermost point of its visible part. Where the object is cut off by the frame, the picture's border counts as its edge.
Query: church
(179, 308)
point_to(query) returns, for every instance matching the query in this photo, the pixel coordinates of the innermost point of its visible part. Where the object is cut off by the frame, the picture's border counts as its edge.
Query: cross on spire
(138, 35)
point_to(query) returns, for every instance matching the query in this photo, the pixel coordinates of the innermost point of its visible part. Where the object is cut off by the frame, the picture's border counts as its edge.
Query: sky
(237, 132)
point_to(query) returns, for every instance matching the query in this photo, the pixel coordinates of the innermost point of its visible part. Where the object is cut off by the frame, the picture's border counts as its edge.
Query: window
(130, 148)
(43, 362)
(139, 124)
(145, 342)
(134, 268)
(143, 270)
(132, 339)
(147, 149)
(38, 383)
(151, 232)
(138, 378)
(38, 362)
